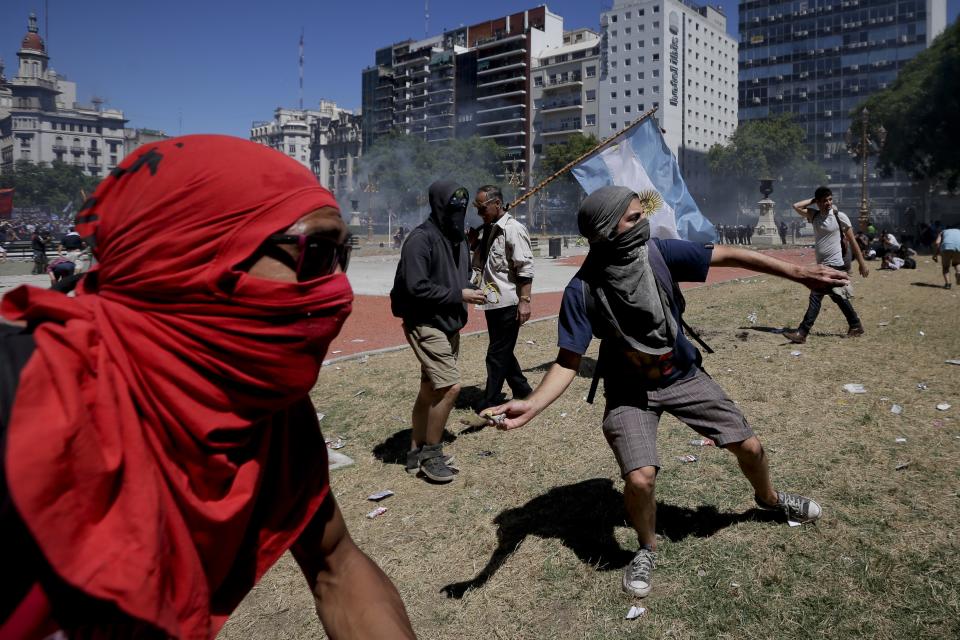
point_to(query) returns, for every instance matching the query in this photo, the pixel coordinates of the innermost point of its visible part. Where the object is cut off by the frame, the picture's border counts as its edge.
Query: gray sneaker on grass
(433, 465)
(638, 575)
(796, 507)
(413, 461)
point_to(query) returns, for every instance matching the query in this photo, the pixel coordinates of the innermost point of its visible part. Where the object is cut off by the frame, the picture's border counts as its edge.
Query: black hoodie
(434, 268)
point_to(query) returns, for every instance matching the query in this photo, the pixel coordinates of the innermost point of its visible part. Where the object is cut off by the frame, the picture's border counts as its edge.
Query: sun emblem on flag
(650, 201)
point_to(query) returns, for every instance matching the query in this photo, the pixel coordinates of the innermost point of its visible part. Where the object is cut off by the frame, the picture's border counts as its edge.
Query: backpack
(674, 296)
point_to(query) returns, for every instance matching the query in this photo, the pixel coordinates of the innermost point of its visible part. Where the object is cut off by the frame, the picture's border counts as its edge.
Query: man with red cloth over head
(160, 450)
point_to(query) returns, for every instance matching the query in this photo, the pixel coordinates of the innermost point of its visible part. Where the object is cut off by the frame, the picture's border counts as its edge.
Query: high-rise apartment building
(819, 59)
(469, 81)
(565, 88)
(42, 122)
(678, 57)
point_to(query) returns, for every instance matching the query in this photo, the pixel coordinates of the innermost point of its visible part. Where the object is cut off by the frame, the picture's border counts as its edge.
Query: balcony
(60, 148)
(501, 81)
(488, 43)
(505, 134)
(565, 127)
(507, 121)
(503, 54)
(509, 106)
(76, 150)
(93, 151)
(563, 82)
(494, 96)
(484, 69)
(554, 107)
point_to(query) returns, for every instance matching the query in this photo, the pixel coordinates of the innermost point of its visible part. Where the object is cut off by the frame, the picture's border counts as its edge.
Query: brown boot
(854, 331)
(799, 336)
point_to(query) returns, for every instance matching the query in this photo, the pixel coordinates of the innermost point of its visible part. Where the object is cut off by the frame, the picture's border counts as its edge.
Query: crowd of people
(151, 478)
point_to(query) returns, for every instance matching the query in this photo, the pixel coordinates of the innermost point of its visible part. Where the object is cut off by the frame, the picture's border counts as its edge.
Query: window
(656, 8)
(613, 111)
(613, 126)
(656, 57)
(613, 34)
(613, 48)
(591, 95)
(613, 95)
(640, 76)
(640, 107)
(538, 81)
(626, 62)
(291, 148)
(613, 64)
(562, 58)
(640, 13)
(640, 59)
(656, 73)
(628, 30)
(591, 71)
(626, 93)
(626, 77)
(640, 44)
(656, 88)
(656, 41)
(626, 109)
(627, 46)
(613, 18)
(591, 120)
(656, 24)
(613, 79)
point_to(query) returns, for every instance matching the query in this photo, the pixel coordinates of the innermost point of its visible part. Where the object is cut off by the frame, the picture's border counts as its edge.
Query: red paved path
(375, 327)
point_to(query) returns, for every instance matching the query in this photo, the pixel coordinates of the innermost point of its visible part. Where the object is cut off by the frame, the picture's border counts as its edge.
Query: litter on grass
(531, 342)
(687, 458)
(922, 333)
(896, 409)
(937, 423)
(336, 444)
(943, 406)
(957, 362)
(363, 360)
(752, 317)
(380, 495)
(794, 523)
(854, 388)
(922, 386)
(795, 353)
(337, 351)
(635, 612)
(486, 454)
(902, 465)
(900, 440)
(702, 442)
(882, 324)
(379, 511)
(358, 340)
(359, 393)
(320, 416)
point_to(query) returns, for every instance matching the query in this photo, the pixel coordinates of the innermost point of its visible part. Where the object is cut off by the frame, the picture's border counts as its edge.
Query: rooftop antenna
(97, 103)
(46, 24)
(426, 18)
(301, 68)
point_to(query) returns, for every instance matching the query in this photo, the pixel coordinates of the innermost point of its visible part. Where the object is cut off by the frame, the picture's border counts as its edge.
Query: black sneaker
(796, 507)
(433, 465)
(638, 575)
(413, 461)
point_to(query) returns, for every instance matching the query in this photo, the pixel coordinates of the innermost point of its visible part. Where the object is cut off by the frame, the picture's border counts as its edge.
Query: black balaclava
(448, 208)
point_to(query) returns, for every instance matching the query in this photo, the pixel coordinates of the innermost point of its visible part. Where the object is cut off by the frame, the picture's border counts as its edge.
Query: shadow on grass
(583, 516)
(394, 449)
(765, 329)
(927, 284)
(587, 366)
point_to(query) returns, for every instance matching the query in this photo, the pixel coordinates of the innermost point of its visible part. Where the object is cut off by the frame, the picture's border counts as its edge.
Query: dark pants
(503, 328)
(813, 309)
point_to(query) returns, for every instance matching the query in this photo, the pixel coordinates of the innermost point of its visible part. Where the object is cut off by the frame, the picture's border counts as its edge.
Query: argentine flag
(642, 161)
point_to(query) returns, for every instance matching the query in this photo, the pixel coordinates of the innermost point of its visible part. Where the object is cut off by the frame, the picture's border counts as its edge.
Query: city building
(565, 90)
(820, 59)
(468, 81)
(336, 144)
(42, 122)
(135, 138)
(675, 56)
(288, 132)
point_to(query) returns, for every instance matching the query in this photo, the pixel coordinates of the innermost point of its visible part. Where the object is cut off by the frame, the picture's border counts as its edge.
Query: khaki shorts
(437, 353)
(698, 401)
(949, 259)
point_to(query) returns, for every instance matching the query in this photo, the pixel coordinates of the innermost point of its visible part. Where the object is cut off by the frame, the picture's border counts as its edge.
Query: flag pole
(570, 165)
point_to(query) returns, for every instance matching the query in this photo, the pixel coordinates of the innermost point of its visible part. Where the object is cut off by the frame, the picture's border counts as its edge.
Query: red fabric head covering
(162, 449)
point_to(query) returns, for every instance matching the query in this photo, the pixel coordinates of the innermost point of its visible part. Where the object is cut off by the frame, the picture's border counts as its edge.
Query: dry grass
(537, 529)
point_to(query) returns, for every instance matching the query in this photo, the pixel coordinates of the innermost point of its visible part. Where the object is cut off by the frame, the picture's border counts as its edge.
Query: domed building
(42, 122)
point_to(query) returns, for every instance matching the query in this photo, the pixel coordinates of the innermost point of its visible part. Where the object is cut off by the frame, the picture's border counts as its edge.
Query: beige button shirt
(510, 257)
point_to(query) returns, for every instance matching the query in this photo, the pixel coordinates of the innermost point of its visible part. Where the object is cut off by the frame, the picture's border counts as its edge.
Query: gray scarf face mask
(618, 269)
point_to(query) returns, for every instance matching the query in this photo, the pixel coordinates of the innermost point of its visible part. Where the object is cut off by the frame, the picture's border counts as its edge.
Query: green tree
(51, 187)
(768, 148)
(403, 166)
(920, 114)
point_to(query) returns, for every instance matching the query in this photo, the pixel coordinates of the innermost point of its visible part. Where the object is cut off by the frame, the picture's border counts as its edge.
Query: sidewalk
(371, 326)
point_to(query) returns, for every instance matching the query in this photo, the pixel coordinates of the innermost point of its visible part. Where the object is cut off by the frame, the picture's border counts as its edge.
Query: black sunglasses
(319, 255)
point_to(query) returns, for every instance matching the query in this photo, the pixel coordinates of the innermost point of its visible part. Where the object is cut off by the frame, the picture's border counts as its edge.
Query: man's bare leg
(441, 404)
(753, 462)
(421, 408)
(641, 503)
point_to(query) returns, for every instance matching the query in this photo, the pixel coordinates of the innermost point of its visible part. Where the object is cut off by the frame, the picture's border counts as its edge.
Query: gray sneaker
(638, 575)
(796, 507)
(433, 465)
(413, 461)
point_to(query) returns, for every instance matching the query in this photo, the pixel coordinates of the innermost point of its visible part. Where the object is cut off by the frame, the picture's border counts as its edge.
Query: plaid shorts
(630, 427)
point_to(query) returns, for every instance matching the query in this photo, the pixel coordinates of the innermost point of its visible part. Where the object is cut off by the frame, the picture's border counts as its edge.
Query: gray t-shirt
(827, 237)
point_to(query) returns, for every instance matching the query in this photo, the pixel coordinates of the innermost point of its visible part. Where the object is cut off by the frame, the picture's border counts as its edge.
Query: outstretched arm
(813, 276)
(558, 378)
(354, 598)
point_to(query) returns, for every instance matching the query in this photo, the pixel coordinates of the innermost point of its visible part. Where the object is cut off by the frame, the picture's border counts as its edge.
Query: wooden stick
(570, 165)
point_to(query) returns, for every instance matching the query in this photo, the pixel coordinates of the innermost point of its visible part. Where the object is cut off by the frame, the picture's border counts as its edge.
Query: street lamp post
(863, 148)
(372, 188)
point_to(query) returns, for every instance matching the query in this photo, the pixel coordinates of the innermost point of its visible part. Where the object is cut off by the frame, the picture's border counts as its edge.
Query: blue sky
(214, 66)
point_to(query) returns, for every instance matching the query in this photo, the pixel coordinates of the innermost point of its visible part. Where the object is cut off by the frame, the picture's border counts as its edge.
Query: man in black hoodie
(430, 293)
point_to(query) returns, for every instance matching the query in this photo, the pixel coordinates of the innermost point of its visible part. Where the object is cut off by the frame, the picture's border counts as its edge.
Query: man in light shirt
(503, 268)
(834, 241)
(947, 247)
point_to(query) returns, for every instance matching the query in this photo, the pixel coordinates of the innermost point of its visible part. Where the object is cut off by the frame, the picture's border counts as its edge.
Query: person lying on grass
(625, 294)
